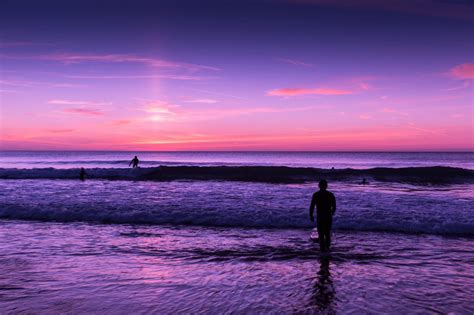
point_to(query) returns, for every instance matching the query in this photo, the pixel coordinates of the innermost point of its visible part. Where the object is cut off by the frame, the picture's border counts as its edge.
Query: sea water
(145, 244)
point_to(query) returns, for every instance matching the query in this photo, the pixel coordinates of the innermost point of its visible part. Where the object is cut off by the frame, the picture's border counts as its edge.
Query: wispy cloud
(59, 130)
(164, 111)
(161, 110)
(26, 83)
(394, 111)
(71, 58)
(465, 85)
(23, 43)
(463, 71)
(125, 77)
(219, 94)
(295, 62)
(121, 122)
(203, 100)
(303, 91)
(70, 102)
(364, 86)
(219, 113)
(365, 116)
(8, 91)
(414, 126)
(83, 111)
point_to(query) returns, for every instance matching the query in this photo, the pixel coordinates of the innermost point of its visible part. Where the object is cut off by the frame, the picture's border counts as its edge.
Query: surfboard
(314, 236)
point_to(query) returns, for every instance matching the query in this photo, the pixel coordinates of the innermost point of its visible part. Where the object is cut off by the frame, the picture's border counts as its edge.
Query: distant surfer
(364, 182)
(325, 203)
(82, 174)
(134, 162)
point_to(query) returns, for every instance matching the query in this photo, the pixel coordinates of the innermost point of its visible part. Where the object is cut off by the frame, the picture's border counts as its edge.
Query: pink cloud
(83, 111)
(219, 94)
(164, 111)
(161, 110)
(122, 122)
(218, 113)
(69, 102)
(393, 111)
(203, 100)
(364, 86)
(463, 71)
(301, 91)
(160, 107)
(59, 130)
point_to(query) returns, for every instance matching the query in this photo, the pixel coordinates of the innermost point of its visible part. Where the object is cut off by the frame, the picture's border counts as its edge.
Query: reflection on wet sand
(323, 290)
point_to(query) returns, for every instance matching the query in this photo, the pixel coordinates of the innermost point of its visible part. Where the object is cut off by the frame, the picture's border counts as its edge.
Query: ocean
(228, 232)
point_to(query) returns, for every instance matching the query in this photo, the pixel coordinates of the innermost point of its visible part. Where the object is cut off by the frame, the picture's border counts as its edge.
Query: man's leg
(327, 234)
(327, 238)
(322, 242)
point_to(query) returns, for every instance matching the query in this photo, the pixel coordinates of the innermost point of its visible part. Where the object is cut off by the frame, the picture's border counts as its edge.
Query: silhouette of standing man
(325, 203)
(82, 174)
(134, 161)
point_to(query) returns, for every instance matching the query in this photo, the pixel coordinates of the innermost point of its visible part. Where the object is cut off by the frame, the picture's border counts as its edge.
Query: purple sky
(237, 75)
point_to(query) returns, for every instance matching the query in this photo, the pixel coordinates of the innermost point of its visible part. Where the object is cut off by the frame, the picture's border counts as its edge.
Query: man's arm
(311, 207)
(333, 205)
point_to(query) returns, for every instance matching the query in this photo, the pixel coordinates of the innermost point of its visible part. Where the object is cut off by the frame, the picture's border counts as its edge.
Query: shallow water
(76, 267)
(213, 246)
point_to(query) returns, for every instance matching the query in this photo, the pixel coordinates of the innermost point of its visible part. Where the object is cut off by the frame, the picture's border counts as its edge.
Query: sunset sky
(237, 75)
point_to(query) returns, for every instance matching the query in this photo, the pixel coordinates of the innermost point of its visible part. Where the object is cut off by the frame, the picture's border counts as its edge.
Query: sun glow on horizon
(180, 87)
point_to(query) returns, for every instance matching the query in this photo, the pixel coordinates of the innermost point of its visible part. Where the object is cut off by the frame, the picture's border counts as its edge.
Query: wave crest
(270, 174)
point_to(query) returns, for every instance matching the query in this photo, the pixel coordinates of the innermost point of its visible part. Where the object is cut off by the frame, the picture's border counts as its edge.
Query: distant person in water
(134, 161)
(82, 174)
(325, 203)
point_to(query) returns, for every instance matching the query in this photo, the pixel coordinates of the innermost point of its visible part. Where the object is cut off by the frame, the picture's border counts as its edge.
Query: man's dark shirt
(325, 203)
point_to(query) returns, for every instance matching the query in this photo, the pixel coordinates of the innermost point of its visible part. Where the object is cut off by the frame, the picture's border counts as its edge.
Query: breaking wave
(270, 174)
(390, 222)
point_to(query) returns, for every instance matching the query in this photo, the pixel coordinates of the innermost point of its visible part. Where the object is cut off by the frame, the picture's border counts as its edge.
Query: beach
(238, 245)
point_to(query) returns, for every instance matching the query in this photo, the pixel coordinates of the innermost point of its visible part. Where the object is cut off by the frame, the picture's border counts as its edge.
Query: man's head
(323, 184)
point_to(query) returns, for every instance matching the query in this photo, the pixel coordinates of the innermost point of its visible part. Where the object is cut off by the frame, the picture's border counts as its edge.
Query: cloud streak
(203, 100)
(29, 84)
(71, 58)
(126, 77)
(303, 91)
(295, 62)
(83, 111)
(164, 111)
(59, 130)
(69, 102)
(393, 111)
(121, 122)
(463, 71)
